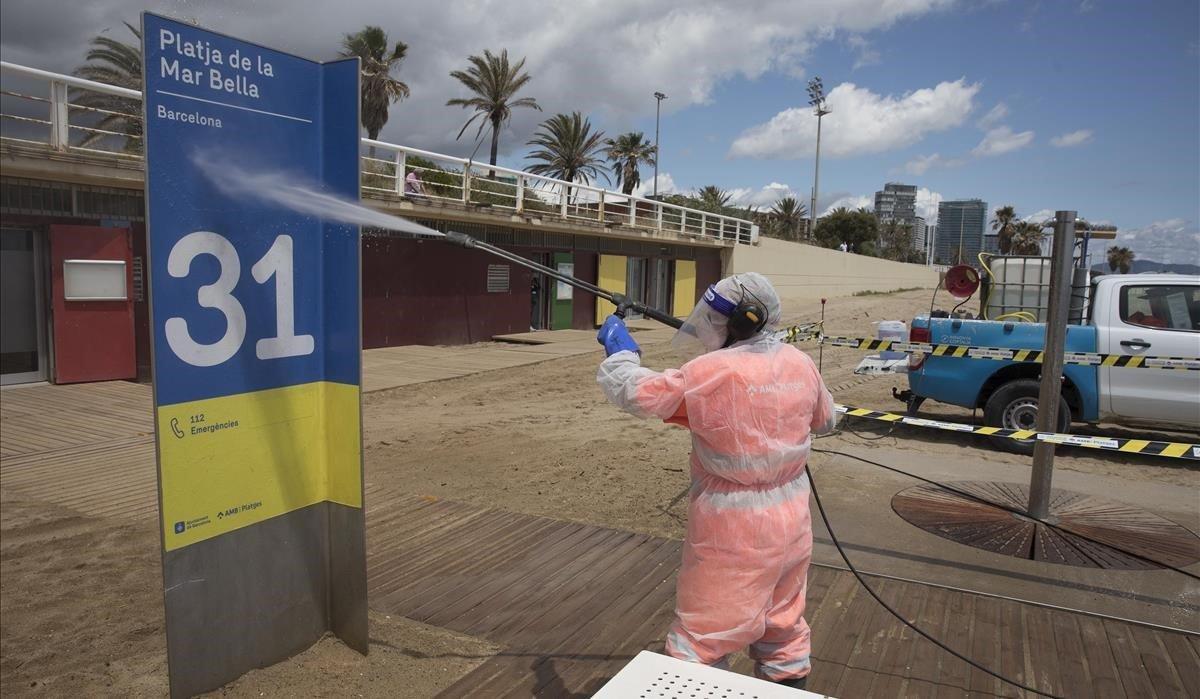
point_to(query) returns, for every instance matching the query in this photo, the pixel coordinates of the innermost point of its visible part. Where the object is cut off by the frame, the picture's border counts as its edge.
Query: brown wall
(708, 271)
(583, 308)
(417, 292)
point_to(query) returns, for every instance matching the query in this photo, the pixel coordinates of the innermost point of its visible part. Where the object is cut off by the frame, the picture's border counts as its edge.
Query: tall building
(919, 231)
(896, 202)
(960, 229)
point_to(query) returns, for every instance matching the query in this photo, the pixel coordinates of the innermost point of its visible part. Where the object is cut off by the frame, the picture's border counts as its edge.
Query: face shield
(707, 328)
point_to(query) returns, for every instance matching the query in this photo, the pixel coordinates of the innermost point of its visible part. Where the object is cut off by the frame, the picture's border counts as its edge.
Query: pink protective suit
(751, 409)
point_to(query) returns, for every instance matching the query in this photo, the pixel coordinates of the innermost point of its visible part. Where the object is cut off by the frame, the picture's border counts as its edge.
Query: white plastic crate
(654, 676)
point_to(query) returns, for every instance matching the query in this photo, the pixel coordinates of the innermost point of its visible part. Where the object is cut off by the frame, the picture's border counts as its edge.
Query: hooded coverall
(751, 409)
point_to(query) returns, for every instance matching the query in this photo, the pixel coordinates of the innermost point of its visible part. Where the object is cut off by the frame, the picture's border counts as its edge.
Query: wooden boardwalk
(571, 603)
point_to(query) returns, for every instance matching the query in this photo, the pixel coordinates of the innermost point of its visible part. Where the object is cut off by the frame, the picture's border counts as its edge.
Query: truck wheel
(1014, 406)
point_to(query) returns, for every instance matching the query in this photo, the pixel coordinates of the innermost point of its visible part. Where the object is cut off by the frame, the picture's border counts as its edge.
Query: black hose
(862, 581)
(1013, 510)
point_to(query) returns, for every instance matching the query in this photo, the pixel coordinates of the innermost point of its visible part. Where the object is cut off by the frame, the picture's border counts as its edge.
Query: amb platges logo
(179, 527)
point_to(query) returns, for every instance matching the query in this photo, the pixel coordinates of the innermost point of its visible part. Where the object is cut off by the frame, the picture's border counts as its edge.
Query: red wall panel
(93, 340)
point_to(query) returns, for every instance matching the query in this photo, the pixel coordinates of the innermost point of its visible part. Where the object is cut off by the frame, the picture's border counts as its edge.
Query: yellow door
(685, 288)
(610, 276)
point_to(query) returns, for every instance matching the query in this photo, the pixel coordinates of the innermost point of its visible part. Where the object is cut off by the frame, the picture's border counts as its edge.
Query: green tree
(567, 149)
(787, 215)
(626, 153)
(1120, 258)
(897, 239)
(115, 63)
(495, 83)
(712, 198)
(1003, 225)
(1027, 238)
(379, 89)
(858, 229)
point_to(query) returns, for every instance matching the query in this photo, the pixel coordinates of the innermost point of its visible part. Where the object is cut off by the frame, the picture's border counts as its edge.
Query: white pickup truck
(1155, 315)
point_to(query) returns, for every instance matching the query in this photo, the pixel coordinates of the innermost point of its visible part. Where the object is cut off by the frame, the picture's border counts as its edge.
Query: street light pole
(816, 94)
(659, 97)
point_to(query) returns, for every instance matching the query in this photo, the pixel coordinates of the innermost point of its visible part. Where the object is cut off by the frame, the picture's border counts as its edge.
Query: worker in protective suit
(752, 403)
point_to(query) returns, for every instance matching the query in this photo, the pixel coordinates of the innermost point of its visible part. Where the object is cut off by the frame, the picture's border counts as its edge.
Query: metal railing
(58, 118)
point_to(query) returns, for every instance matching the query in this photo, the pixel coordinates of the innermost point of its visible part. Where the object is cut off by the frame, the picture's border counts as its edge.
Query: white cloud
(1073, 138)
(927, 205)
(765, 197)
(1002, 140)
(1040, 216)
(605, 59)
(852, 202)
(1172, 240)
(994, 116)
(860, 122)
(924, 163)
(867, 55)
(666, 185)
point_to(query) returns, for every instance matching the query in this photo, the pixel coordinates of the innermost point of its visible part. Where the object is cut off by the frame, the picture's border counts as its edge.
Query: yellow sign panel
(233, 461)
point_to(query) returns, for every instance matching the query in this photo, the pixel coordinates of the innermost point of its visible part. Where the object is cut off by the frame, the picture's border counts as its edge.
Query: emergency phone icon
(175, 428)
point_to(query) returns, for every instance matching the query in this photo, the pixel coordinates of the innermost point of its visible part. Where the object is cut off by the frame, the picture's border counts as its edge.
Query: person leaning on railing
(413, 186)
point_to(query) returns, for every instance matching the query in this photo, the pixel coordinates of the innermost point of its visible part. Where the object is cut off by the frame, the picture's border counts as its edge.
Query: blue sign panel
(247, 295)
(255, 307)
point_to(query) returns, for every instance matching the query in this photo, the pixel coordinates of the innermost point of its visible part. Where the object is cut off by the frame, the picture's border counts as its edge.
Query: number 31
(219, 295)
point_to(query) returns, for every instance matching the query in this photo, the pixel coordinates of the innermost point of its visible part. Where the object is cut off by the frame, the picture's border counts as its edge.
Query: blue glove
(615, 337)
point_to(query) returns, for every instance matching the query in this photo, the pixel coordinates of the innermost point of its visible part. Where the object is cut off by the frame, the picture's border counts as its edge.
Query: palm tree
(1120, 258)
(495, 82)
(115, 63)
(1027, 238)
(568, 149)
(788, 214)
(379, 88)
(627, 152)
(713, 198)
(1003, 225)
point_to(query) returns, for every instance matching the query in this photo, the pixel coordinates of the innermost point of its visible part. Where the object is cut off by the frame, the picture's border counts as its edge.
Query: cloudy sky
(1091, 105)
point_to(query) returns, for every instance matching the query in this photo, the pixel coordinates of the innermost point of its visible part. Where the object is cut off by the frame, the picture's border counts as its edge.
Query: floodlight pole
(1052, 365)
(659, 97)
(816, 93)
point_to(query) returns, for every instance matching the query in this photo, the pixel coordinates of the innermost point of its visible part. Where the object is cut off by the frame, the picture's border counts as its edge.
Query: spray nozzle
(623, 304)
(460, 239)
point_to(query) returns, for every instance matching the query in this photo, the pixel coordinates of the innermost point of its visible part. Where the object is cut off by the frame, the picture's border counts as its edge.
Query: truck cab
(1155, 315)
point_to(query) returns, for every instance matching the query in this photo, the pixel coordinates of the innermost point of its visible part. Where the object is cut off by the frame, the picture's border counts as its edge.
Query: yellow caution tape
(1002, 354)
(1175, 450)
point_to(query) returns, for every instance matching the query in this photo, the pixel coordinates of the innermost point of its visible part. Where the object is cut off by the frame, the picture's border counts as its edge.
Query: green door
(561, 313)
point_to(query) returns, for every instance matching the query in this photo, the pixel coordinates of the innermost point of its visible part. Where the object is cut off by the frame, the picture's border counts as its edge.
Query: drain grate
(983, 526)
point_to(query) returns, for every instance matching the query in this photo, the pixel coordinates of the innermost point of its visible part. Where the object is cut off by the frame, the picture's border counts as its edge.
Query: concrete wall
(806, 272)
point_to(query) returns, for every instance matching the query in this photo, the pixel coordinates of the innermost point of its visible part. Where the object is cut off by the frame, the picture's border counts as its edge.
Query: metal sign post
(1052, 366)
(256, 354)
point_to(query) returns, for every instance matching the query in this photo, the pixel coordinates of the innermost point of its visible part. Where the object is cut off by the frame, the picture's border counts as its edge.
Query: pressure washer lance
(625, 304)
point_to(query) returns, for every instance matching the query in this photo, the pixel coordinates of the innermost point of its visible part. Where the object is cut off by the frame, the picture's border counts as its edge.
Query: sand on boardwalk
(81, 604)
(541, 439)
(80, 598)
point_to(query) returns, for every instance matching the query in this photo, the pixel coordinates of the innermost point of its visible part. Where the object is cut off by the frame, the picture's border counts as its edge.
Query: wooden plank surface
(572, 603)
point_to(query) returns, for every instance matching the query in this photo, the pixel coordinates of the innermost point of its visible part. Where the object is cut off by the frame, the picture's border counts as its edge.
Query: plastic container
(1019, 284)
(891, 330)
